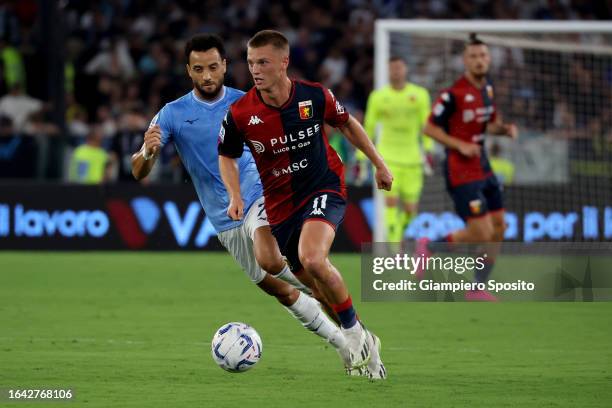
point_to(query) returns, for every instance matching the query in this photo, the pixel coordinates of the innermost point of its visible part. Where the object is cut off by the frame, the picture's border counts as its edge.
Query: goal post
(552, 78)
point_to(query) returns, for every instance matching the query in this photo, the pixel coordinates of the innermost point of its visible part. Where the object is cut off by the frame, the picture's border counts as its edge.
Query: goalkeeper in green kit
(399, 111)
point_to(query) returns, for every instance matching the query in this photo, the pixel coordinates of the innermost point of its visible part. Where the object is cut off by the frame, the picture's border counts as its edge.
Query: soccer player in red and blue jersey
(460, 118)
(282, 121)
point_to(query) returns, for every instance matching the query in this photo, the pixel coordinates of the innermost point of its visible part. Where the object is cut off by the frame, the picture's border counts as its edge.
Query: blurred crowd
(124, 61)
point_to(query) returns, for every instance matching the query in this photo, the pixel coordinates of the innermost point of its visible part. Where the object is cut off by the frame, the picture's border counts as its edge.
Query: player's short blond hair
(269, 37)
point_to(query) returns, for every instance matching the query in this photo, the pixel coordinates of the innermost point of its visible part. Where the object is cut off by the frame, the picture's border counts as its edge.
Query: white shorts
(239, 241)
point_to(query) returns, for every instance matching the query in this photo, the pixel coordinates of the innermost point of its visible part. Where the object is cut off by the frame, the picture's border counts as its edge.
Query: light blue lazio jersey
(193, 126)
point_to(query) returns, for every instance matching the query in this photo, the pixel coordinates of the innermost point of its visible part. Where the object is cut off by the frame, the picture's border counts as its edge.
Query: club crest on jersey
(475, 206)
(305, 108)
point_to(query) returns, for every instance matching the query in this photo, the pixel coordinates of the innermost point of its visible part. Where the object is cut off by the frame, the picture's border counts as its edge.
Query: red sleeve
(442, 109)
(335, 113)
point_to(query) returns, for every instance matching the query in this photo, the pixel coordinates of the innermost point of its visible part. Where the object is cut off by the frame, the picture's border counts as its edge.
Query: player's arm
(358, 137)
(439, 118)
(228, 167)
(336, 116)
(231, 144)
(370, 120)
(440, 136)
(499, 128)
(144, 160)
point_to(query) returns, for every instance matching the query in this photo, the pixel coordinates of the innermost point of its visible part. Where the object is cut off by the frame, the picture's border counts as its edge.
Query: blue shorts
(326, 207)
(477, 198)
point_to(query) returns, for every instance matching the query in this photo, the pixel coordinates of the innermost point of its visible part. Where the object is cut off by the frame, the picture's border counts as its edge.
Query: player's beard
(209, 95)
(480, 73)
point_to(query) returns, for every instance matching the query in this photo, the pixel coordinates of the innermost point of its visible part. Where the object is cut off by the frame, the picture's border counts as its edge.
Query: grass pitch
(134, 330)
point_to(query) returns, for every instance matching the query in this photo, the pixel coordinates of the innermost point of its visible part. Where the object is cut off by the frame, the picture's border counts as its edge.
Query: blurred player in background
(192, 122)
(401, 110)
(282, 121)
(460, 118)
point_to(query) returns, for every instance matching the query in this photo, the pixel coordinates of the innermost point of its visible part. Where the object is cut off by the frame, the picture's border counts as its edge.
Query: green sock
(407, 219)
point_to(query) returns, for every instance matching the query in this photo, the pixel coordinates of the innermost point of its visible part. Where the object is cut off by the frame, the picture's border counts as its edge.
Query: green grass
(134, 329)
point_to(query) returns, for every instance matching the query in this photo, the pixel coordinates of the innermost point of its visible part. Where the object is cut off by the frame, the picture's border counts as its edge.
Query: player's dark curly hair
(204, 42)
(474, 40)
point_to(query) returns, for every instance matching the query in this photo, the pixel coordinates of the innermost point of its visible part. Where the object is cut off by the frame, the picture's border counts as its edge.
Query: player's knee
(488, 235)
(314, 263)
(270, 264)
(391, 201)
(411, 207)
(482, 234)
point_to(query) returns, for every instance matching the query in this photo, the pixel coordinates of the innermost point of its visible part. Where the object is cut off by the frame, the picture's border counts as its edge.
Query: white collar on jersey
(220, 97)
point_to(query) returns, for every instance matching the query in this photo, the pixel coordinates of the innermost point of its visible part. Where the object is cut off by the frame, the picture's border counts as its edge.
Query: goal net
(554, 80)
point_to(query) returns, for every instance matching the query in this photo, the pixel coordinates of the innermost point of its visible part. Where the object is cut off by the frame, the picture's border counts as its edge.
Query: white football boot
(347, 359)
(376, 368)
(359, 344)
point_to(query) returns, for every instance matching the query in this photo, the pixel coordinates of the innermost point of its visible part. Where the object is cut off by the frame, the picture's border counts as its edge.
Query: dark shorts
(477, 198)
(326, 207)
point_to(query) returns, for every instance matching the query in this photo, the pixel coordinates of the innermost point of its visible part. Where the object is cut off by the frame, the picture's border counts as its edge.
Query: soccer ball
(236, 347)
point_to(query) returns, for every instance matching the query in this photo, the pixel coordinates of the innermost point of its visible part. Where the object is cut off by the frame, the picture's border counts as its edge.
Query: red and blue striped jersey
(464, 111)
(291, 149)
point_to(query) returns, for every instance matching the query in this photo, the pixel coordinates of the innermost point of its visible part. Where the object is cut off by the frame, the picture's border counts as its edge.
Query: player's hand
(152, 140)
(511, 131)
(469, 149)
(384, 178)
(236, 209)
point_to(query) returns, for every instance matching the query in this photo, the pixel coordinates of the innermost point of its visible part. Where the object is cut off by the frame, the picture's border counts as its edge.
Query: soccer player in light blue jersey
(192, 123)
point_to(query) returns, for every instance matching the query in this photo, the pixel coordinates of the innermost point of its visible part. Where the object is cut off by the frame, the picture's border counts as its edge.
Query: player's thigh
(321, 217)
(494, 194)
(240, 246)
(480, 228)
(469, 200)
(316, 239)
(287, 235)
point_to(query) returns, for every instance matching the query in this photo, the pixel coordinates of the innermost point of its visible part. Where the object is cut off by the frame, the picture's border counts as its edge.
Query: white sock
(288, 276)
(309, 313)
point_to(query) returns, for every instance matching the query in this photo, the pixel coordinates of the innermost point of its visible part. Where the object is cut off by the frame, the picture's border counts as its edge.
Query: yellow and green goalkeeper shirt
(401, 115)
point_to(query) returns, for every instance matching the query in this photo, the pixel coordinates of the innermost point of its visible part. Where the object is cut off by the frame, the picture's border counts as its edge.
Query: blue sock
(346, 313)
